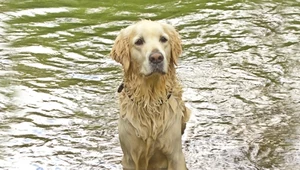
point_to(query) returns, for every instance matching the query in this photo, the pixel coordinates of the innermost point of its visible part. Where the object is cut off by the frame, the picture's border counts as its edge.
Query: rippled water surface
(240, 69)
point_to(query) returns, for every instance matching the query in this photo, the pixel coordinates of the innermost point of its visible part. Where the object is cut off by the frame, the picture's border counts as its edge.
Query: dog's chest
(149, 119)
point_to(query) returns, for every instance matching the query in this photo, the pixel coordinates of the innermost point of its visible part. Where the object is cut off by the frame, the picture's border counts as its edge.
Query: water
(240, 69)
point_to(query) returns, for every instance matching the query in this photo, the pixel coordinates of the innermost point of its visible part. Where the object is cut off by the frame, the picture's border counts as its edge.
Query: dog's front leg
(177, 162)
(127, 141)
(133, 147)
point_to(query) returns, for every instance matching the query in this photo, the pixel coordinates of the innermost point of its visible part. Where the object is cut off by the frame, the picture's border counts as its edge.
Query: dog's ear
(175, 41)
(120, 50)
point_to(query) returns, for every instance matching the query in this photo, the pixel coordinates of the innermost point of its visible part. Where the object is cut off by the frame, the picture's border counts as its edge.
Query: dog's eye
(140, 41)
(163, 39)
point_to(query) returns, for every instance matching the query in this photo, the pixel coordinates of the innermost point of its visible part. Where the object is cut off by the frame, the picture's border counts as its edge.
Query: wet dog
(152, 112)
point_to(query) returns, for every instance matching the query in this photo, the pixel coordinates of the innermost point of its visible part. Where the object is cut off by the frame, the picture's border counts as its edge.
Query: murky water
(240, 69)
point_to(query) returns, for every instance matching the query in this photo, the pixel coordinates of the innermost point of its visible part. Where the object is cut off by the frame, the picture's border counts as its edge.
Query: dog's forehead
(149, 28)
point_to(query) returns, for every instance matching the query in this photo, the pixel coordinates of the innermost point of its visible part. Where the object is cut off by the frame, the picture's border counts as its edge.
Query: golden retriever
(152, 112)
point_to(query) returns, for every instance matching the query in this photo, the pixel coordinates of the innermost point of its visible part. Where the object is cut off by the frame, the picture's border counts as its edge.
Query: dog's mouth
(157, 69)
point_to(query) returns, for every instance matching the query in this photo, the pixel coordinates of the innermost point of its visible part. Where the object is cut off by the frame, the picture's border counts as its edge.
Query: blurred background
(240, 71)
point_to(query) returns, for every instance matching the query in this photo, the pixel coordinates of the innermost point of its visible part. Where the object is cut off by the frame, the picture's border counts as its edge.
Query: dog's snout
(156, 57)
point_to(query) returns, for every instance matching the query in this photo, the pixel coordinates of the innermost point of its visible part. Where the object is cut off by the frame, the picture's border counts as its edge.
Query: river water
(240, 70)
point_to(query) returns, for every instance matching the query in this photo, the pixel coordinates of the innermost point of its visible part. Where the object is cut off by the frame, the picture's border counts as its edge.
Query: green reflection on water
(87, 28)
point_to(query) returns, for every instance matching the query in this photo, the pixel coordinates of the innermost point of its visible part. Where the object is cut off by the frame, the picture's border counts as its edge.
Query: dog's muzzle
(157, 62)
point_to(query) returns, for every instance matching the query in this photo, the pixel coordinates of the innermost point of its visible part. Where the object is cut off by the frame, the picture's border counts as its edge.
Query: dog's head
(147, 47)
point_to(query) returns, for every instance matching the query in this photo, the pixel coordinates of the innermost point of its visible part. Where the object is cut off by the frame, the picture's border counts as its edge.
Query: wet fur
(150, 124)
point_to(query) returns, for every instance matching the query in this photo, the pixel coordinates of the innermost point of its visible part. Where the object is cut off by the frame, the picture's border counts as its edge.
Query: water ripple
(240, 70)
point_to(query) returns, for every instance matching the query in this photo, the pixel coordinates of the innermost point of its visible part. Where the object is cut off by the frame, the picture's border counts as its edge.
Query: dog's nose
(156, 57)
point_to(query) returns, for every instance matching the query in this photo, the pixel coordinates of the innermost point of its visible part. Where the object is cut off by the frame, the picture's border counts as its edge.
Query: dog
(152, 113)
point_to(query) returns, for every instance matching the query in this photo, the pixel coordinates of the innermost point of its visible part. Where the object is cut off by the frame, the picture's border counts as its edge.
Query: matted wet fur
(152, 113)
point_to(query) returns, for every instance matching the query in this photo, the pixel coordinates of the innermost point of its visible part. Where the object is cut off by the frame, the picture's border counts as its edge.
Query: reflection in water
(240, 69)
